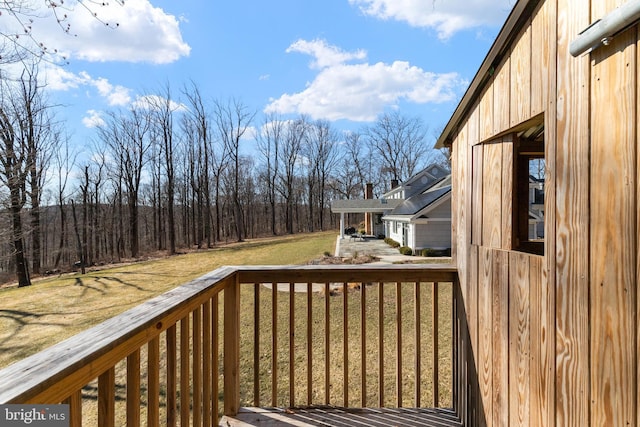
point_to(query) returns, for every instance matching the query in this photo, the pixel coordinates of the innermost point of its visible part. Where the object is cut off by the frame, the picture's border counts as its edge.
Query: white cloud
(446, 17)
(360, 92)
(325, 55)
(61, 79)
(137, 32)
(115, 95)
(93, 119)
(250, 134)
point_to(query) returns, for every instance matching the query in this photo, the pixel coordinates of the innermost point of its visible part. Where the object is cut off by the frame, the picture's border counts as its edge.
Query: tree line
(177, 170)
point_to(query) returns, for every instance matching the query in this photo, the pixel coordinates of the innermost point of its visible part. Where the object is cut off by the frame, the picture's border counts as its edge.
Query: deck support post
(232, 347)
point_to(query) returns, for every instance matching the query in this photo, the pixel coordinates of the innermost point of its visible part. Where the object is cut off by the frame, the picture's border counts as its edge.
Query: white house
(415, 213)
(423, 218)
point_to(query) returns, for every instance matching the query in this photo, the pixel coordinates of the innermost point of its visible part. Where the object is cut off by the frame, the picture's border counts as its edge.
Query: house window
(529, 184)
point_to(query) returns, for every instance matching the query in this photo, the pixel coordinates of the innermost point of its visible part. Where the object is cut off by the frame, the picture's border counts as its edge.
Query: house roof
(422, 180)
(364, 206)
(419, 202)
(431, 177)
(517, 19)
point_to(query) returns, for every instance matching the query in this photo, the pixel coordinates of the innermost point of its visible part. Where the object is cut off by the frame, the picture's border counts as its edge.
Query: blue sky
(346, 61)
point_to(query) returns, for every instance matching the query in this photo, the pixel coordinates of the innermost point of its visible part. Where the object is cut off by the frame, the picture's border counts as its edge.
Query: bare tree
(348, 175)
(321, 156)
(197, 127)
(63, 160)
(17, 41)
(399, 143)
(127, 137)
(290, 158)
(38, 131)
(26, 131)
(233, 119)
(13, 177)
(162, 110)
(270, 139)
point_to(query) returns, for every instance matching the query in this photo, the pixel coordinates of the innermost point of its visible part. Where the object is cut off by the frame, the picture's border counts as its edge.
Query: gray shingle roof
(415, 204)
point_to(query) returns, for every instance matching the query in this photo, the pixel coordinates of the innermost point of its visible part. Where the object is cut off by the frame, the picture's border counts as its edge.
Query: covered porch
(372, 209)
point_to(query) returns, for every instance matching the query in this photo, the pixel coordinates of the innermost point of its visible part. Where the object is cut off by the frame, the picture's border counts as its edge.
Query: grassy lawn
(53, 309)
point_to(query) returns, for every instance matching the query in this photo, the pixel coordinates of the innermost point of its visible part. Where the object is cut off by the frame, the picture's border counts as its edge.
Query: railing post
(232, 347)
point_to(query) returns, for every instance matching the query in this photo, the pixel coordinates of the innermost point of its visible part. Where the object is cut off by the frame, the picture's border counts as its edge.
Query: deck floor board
(341, 417)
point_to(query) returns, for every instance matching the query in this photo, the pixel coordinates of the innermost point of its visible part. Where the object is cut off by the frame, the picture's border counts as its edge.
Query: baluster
(418, 346)
(185, 390)
(153, 382)
(133, 388)
(256, 345)
(399, 344)
(106, 398)
(309, 344)
(172, 385)
(75, 408)
(327, 362)
(380, 345)
(206, 364)
(345, 342)
(434, 315)
(274, 344)
(363, 346)
(291, 345)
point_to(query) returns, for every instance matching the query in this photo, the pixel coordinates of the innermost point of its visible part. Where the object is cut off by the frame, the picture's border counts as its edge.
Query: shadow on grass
(103, 281)
(22, 319)
(86, 287)
(100, 279)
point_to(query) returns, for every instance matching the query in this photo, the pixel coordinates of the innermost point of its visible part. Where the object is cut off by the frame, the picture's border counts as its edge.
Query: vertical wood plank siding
(572, 220)
(573, 322)
(492, 196)
(502, 97)
(521, 96)
(613, 233)
(519, 338)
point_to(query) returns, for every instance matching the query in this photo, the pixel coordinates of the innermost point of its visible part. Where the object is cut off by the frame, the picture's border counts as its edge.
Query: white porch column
(342, 225)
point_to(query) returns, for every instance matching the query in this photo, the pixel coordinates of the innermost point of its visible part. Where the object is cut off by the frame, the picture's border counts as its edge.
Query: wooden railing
(373, 336)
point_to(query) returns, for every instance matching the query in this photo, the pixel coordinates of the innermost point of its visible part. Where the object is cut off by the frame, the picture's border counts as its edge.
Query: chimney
(368, 194)
(394, 183)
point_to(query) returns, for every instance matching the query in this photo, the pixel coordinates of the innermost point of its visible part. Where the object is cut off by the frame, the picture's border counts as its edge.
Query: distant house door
(405, 233)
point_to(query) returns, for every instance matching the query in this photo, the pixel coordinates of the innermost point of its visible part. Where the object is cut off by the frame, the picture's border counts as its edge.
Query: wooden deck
(187, 356)
(341, 417)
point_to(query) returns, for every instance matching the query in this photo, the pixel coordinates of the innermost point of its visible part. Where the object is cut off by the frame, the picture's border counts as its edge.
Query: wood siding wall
(553, 339)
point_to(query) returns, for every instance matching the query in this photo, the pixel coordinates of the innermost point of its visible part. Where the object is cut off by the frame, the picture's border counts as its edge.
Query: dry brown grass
(56, 308)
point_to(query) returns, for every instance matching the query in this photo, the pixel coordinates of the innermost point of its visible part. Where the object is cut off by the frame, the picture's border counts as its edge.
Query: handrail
(72, 363)
(187, 317)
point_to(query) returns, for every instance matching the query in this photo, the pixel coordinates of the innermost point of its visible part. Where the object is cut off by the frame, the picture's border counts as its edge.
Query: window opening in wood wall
(529, 174)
